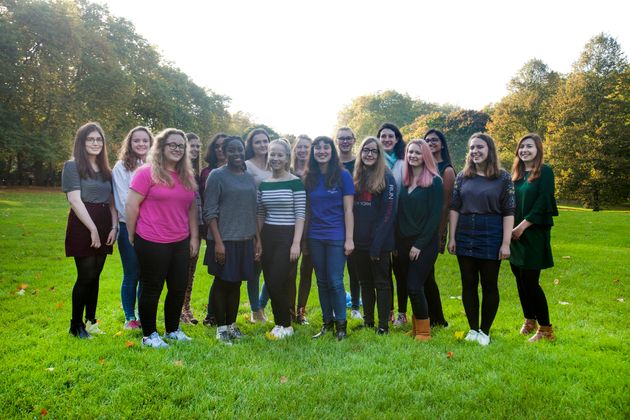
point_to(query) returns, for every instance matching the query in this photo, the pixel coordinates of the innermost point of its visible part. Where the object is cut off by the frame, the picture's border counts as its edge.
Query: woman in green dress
(531, 239)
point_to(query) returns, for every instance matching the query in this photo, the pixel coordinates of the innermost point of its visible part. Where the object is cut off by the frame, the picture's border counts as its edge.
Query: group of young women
(261, 205)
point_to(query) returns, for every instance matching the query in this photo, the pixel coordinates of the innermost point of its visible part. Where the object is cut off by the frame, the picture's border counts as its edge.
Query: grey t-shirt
(93, 190)
(481, 195)
(231, 199)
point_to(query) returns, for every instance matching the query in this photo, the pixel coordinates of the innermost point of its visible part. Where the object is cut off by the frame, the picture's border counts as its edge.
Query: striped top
(281, 202)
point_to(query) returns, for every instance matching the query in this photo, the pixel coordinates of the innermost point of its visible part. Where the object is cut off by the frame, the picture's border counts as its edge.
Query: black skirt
(78, 238)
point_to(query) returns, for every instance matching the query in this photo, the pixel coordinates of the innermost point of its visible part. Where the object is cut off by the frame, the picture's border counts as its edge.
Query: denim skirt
(479, 236)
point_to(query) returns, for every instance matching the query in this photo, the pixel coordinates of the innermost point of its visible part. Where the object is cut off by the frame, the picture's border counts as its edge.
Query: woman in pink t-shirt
(163, 228)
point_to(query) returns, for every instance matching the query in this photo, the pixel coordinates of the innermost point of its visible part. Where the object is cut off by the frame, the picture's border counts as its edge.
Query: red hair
(429, 167)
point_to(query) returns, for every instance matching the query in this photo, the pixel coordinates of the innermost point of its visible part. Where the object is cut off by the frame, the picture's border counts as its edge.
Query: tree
(589, 129)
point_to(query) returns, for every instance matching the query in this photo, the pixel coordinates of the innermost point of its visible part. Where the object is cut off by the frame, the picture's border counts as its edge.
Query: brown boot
(413, 331)
(543, 333)
(528, 327)
(423, 329)
(301, 316)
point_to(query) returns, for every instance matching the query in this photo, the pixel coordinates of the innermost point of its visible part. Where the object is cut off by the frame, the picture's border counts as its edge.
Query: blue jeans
(253, 287)
(329, 260)
(131, 287)
(264, 296)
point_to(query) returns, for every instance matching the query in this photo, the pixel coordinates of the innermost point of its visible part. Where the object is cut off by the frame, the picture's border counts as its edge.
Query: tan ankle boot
(528, 327)
(413, 331)
(423, 329)
(543, 333)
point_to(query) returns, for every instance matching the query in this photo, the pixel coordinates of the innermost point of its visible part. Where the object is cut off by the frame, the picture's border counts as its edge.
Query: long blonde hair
(370, 178)
(159, 174)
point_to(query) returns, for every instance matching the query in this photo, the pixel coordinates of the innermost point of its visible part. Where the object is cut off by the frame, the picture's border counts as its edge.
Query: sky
(293, 65)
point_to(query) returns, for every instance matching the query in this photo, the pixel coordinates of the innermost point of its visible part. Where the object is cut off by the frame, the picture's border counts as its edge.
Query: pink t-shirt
(163, 216)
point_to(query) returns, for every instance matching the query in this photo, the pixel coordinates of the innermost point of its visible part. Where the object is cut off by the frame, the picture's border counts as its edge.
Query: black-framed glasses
(432, 140)
(345, 139)
(175, 146)
(94, 140)
(367, 152)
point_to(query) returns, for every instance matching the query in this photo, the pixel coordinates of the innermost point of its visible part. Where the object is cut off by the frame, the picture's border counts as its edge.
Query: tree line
(69, 61)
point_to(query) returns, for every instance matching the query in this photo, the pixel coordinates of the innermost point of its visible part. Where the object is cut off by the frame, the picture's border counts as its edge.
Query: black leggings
(85, 290)
(276, 242)
(472, 269)
(401, 284)
(158, 262)
(225, 298)
(533, 300)
(416, 273)
(375, 285)
(306, 274)
(432, 292)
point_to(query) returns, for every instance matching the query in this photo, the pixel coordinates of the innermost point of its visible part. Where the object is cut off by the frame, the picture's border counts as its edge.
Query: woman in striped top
(281, 210)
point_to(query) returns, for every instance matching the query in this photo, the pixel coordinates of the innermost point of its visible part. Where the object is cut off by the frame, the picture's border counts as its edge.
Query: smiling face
(414, 155)
(369, 153)
(218, 149)
(278, 159)
(140, 143)
(345, 140)
(478, 151)
(527, 151)
(174, 148)
(235, 154)
(388, 139)
(322, 152)
(302, 149)
(434, 142)
(260, 144)
(94, 143)
(194, 147)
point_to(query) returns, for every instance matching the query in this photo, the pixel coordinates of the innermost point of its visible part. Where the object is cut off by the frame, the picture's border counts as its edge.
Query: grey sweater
(231, 199)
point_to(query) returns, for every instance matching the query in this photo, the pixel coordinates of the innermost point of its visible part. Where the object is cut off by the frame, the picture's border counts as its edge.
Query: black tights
(225, 298)
(472, 269)
(85, 291)
(533, 300)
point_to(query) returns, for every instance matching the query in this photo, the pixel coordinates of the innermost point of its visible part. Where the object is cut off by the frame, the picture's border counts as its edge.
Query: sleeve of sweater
(121, 188)
(435, 200)
(508, 198)
(212, 196)
(385, 226)
(544, 206)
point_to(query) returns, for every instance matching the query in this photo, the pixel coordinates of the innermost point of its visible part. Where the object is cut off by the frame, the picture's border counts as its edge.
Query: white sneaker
(177, 335)
(93, 328)
(277, 332)
(288, 331)
(355, 314)
(154, 341)
(483, 339)
(223, 336)
(472, 335)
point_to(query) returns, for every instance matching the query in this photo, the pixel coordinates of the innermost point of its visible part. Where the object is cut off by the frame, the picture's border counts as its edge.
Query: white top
(121, 178)
(259, 174)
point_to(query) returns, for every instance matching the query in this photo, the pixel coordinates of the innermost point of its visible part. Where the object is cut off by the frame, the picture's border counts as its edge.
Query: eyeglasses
(367, 152)
(218, 146)
(94, 140)
(432, 140)
(344, 139)
(175, 146)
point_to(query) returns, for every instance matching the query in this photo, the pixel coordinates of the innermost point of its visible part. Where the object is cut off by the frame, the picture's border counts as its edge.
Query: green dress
(536, 203)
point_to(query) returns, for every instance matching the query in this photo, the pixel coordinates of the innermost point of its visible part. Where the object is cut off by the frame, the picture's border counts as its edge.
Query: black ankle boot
(77, 329)
(328, 326)
(341, 330)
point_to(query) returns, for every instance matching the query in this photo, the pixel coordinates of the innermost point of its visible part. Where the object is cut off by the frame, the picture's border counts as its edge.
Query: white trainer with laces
(177, 335)
(93, 328)
(472, 335)
(154, 340)
(483, 339)
(355, 314)
(288, 331)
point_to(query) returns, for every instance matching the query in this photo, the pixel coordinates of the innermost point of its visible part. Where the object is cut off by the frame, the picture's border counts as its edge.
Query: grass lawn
(45, 371)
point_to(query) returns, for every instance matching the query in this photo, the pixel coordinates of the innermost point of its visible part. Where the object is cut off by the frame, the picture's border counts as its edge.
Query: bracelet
(115, 228)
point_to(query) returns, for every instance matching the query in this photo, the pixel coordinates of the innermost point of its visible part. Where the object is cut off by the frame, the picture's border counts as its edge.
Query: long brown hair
(518, 167)
(370, 178)
(80, 155)
(126, 154)
(332, 178)
(159, 174)
(493, 165)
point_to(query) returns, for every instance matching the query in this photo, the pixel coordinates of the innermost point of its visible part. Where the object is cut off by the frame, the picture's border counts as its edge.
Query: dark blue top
(374, 216)
(326, 209)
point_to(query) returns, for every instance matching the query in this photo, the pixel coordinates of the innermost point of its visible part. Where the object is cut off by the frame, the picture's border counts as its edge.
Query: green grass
(583, 374)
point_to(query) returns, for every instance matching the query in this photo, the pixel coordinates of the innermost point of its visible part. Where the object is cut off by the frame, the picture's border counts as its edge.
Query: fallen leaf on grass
(616, 281)
(129, 344)
(270, 336)
(563, 302)
(52, 289)
(101, 360)
(459, 335)
(283, 379)
(43, 412)
(178, 363)
(566, 257)
(449, 355)
(118, 334)
(620, 299)
(556, 281)
(22, 286)
(34, 292)
(59, 305)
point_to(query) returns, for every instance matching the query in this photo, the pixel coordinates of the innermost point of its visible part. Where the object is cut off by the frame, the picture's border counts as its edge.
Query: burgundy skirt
(78, 238)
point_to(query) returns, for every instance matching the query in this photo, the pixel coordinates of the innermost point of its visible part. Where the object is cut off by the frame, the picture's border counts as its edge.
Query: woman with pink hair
(419, 213)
